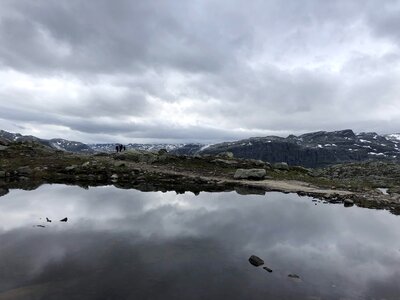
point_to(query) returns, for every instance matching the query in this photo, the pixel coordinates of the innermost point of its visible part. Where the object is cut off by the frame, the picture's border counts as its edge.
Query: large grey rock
(250, 174)
(281, 166)
(348, 202)
(256, 261)
(162, 151)
(119, 164)
(137, 156)
(71, 168)
(226, 154)
(225, 161)
(24, 171)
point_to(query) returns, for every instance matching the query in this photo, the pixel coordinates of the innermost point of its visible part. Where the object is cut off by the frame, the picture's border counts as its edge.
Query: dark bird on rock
(64, 220)
(48, 220)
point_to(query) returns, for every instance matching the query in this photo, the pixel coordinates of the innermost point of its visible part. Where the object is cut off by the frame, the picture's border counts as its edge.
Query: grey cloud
(98, 105)
(242, 68)
(385, 20)
(129, 129)
(125, 36)
(103, 36)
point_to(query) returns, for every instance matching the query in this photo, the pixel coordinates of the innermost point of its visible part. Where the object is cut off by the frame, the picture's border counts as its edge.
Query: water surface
(126, 244)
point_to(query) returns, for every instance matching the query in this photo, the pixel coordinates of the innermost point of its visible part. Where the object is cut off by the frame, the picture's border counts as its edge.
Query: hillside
(316, 149)
(59, 144)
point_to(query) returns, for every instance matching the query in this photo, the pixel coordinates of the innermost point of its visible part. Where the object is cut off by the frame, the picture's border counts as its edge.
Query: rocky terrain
(28, 164)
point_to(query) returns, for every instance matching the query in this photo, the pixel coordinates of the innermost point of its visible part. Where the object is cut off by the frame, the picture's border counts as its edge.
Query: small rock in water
(256, 261)
(267, 269)
(41, 226)
(48, 220)
(64, 220)
(295, 276)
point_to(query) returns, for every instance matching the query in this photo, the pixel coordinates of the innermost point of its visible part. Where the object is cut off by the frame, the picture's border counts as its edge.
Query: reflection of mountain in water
(124, 244)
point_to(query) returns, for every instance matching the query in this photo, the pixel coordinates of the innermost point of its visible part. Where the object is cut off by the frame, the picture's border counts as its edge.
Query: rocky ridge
(57, 143)
(316, 149)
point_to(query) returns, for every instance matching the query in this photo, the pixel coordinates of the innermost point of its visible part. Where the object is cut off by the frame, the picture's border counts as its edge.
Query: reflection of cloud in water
(121, 243)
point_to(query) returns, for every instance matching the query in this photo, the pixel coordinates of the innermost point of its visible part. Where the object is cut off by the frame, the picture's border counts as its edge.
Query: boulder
(162, 151)
(114, 177)
(24, 171)
(348, 202)
(257, 174)
(119, 164)
(225, 161)
(256, 261)
(71, 168)
(281, 166)
(225, 154)
(137, 156)
(301, 169)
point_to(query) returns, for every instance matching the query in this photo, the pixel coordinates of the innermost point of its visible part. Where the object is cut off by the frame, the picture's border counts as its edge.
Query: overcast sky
(178, 71)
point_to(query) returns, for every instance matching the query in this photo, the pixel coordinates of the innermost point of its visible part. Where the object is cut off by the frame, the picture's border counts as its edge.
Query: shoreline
(29, 166)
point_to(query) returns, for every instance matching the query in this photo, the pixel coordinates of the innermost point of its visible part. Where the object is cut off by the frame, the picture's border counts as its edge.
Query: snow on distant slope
(393, 137)
(144, 147)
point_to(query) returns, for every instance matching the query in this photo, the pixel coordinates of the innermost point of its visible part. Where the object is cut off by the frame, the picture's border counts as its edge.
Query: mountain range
(316, 149)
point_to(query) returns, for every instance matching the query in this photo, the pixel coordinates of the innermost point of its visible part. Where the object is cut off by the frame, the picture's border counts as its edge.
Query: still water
(127, 244)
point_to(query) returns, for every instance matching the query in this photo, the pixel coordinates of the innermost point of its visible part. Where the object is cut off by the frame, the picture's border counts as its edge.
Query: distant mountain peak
(59, 144)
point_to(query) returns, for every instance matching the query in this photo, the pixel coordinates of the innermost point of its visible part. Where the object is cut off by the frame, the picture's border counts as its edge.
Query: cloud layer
(125, 71)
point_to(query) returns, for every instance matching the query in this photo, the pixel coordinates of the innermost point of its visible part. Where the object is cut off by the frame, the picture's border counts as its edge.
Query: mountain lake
(128, 244)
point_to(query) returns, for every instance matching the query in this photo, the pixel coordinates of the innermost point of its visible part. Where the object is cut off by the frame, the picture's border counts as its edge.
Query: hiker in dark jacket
(117, 148)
